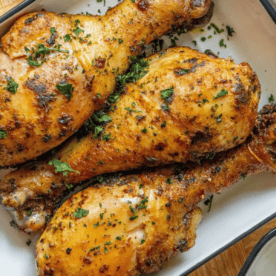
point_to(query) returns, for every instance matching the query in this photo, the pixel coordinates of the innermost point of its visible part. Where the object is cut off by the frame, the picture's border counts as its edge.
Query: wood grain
(230, 261)
(6, 5)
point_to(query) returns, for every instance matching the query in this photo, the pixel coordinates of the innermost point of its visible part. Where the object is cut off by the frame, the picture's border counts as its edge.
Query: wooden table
(230, 261)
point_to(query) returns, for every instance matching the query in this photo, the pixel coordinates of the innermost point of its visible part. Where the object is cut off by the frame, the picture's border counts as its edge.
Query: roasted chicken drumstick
(56, 69)
(187, 106)
(130, 225)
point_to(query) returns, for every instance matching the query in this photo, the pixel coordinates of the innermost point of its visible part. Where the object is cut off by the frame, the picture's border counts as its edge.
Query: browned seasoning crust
(146, 211)
(212, 108)
(86, 52)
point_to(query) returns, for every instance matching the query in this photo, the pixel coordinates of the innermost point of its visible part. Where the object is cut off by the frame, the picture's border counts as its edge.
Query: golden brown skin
(159, 201)
(197, 125)
(38, 117)
(108, 241)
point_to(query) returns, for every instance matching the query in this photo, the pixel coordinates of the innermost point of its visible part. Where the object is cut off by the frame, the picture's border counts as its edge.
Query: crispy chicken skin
(109, 241)
(86, 52)
(212, 108)
(143, 217)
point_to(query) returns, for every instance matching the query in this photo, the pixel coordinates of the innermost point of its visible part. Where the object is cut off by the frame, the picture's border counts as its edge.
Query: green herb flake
(144, 130)
(143, 241)
(165, 94)
(28, 242)
(12, 85)
(61, 167)
(271, 98)
(66, 89)
(222, 93)
(53, 30)
(78, 30)
(97, 131)
(221, 43)
(67, 38)
(133, 217)
(95, 248)
(33, 62)
(80, 213)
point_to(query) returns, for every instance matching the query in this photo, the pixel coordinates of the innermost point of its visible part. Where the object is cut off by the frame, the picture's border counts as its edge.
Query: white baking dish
(234, 213)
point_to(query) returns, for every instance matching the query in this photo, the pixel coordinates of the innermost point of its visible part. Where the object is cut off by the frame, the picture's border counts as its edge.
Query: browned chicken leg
(187, 106)
(56, 69)
(131, 225)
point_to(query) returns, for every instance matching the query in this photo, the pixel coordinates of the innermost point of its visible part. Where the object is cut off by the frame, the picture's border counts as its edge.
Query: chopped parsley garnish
(221, 43)
(141, 204)
(216, 27)
(142, 241)
(132, 110)
(136, 71)
(169, 181)
(33, 62)
(165, 94)
(182, 72)
(204, 101)
(144, 130)
(230, 30)
(271, 98)
(46, 256)
(118, 238)
(95, 248)
(219, 120)
(12, 85)
(102, 118)
(78, 30)
(106, 137)
(66, 89)
(96, 224)
(165, 107)
(28, 242)
(209, 202)
(61, 167)
(163, 124)
(120, 41)
(133, 217)
(67, 38)
(53, 30)
(222, 93)
(80, 213)
(97, 131)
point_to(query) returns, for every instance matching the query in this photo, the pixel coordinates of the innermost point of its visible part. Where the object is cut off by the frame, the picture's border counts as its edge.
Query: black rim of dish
(271, 11)
(256, 250)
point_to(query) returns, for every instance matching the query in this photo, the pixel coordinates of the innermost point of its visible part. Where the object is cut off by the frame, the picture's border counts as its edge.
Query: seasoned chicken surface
(133, 224)
(57, 69)
(187, 106)
(99, 232)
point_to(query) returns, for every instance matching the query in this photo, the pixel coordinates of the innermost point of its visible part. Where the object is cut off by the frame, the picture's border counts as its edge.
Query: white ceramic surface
(235, 211)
